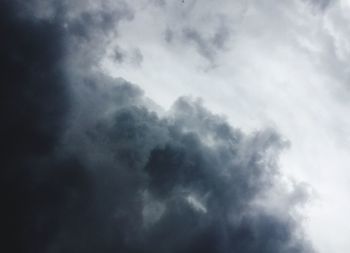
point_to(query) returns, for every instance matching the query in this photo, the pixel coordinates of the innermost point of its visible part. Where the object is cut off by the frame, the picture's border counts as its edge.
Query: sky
(278, 64)
(175, 126)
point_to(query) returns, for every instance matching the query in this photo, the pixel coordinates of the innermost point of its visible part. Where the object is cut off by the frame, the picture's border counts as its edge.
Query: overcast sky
(175, 126)
(279, 64)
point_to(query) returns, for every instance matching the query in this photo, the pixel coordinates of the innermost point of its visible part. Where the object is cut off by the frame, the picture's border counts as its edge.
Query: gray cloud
(183, 183)
(132, 56)
(207, 31)
(202, 45)
(119, 56)
(89, 167)
(207, 46)
(320, 4)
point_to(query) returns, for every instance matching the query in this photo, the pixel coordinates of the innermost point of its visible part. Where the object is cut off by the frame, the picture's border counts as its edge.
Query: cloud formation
(88, 166)
(208, 31)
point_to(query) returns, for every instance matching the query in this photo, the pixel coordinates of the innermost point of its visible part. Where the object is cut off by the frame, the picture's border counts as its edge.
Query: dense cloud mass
(88, 166)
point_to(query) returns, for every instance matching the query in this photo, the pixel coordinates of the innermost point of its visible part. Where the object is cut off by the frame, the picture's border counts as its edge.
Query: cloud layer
(89, 166)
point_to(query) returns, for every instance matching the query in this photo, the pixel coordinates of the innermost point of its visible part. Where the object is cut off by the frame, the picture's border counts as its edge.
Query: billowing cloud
(89, 166)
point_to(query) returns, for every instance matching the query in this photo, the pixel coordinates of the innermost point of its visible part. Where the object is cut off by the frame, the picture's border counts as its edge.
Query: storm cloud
(88, 165)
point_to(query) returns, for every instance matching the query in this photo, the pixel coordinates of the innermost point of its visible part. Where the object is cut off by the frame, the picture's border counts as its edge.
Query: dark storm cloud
(34, 102)
(89, 27)
(94, 22)
(88, 167)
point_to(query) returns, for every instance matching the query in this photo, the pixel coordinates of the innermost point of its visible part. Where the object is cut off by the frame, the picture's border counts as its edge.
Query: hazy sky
(280, 64)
